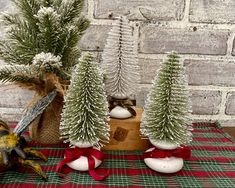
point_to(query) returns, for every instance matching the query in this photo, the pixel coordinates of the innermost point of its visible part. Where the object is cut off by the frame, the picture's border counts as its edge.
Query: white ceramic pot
(164, 165)
(119, 96)
(120, 113)
(81, 163)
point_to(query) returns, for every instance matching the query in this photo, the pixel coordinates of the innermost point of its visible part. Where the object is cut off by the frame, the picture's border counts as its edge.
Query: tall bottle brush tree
(85, 113)
(119, 60)
(167, 109)
(121, 69)
(40, 50)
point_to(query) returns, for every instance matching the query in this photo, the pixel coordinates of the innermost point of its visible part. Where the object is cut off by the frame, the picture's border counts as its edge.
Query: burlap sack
(45, 128)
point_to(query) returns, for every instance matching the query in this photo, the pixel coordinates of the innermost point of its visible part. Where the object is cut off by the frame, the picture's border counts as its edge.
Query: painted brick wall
(201, 31)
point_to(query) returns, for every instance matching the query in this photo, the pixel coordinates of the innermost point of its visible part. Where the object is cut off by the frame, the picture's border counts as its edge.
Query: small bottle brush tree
(84, 117)
(40, 49)
(166, 119)
(166, 114)
(119, 61)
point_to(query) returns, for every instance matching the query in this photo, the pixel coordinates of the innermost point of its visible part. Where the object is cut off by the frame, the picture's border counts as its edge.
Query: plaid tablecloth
(212, 165)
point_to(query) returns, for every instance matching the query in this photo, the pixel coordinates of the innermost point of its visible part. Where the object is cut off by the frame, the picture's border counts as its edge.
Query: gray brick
(161, 40)
(6, 5)
(205, 102)
(141, 9)
(94, 38)
(230, 104)
(203, 72)
(11, 114)
(148, 69)
(213, 11)
(14, 97)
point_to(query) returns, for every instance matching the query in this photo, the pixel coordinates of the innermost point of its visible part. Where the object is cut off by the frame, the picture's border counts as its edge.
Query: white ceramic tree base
(164, 145)
(120, 113)
(81, 163)
(164, 165)
(119, 96)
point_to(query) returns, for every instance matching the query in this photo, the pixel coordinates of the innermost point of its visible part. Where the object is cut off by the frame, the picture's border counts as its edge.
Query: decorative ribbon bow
(124, 103)
(182, 152)
(72, 154)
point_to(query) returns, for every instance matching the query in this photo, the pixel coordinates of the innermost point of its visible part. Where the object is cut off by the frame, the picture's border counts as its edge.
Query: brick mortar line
(182, 24)
(101, 23)
(186, 12)
(208, 88)
(136, 37)
(224, 59)
(213, 117)
(223, 103)
(212, 88)
(191, 56)
(91, 9)
(230, 44)
(11, 109)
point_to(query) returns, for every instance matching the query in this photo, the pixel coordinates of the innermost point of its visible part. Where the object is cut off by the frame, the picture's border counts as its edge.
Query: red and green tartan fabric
(212, 165)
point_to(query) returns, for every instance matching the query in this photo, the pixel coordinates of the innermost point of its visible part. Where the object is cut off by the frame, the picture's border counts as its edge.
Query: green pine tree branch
(22, 44)
(10, 19)
(69, 43)
(9, 53)
(19, 74)
(70, 10)
(28, 8)
(49, 30)
(47, 3)
(42, 26)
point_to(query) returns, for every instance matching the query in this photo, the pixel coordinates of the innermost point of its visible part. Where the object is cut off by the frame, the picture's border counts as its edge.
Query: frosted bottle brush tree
(120, 64)
(166, 119)
(167, 109)
(85, 113)
(84, 118)
(40, 49)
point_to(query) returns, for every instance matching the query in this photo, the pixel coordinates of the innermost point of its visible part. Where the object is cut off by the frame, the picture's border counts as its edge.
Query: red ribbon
(72, 154)
(183, 152)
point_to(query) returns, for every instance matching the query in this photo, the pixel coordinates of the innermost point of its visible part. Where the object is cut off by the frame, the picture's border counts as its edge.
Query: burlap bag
(45, 128)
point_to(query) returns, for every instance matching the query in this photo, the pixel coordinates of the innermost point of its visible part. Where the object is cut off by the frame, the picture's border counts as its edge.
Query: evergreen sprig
(42, 26)
(69, 10)
(28, 8)
(19, 74)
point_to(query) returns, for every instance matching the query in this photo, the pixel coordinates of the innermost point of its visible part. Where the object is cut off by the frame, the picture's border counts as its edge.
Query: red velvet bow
(72, 154)
(182, 152)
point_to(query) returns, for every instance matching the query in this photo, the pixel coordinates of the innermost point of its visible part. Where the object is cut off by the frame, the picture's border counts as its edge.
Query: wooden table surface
(230, 131)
